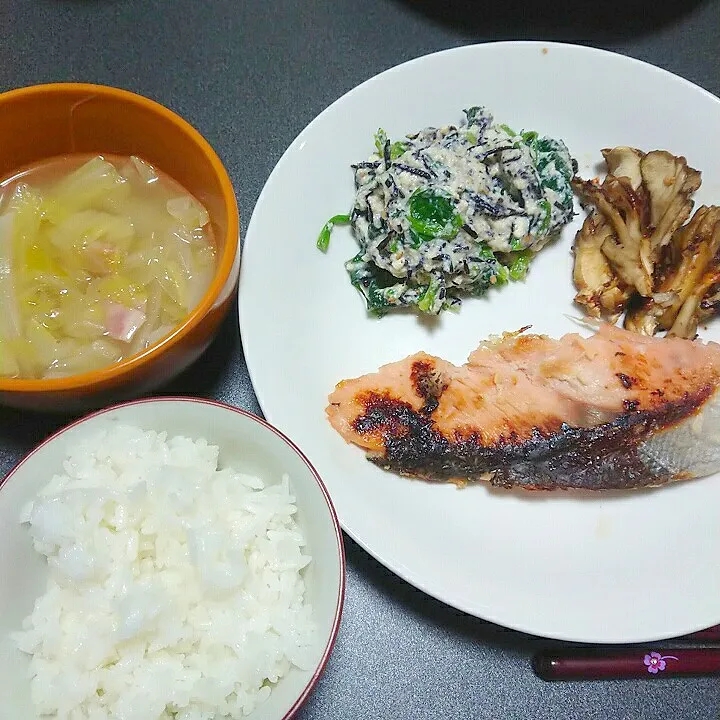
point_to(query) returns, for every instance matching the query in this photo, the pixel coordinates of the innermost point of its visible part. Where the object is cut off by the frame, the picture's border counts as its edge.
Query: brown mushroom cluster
(637, 252)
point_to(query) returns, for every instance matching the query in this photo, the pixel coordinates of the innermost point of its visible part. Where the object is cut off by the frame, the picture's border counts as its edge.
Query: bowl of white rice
(166, 558)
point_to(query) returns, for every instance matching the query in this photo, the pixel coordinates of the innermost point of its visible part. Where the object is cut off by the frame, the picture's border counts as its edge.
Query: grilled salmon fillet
(615, 410)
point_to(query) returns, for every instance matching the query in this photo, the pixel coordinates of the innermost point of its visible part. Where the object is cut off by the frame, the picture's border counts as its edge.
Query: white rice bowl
(177, 584)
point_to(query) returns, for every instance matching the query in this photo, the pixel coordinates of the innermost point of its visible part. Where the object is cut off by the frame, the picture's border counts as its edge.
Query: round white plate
(608, 567)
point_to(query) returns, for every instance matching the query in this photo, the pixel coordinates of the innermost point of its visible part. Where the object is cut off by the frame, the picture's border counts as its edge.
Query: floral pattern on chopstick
(656, 662)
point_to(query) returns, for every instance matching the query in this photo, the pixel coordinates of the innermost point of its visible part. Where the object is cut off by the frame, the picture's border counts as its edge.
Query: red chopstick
(648, 663)
(711, 633)
(652, 662)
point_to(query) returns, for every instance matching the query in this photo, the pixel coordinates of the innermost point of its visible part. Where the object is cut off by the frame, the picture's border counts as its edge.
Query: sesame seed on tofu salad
(452, 211)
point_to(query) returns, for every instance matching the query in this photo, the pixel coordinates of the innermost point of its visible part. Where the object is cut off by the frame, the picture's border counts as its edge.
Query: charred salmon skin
(612, 411)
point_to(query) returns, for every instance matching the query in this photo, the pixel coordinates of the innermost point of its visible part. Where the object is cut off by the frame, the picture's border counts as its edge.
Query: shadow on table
(434, 612)
(203, 377)
(569, 20)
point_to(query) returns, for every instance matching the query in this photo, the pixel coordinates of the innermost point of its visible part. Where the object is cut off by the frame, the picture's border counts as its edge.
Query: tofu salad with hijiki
(452, 211)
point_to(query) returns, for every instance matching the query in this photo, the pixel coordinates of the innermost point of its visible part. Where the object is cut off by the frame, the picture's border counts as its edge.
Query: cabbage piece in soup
(100, 257)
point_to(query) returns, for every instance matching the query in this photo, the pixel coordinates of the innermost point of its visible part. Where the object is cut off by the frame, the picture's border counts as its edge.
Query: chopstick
(711, 633)
(652, 662)
(641, 663)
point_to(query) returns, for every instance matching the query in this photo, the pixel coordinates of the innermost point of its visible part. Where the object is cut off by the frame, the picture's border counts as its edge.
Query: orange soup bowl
(45, 121)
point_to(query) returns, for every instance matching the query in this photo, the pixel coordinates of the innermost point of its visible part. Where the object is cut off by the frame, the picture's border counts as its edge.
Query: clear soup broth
(100, 257)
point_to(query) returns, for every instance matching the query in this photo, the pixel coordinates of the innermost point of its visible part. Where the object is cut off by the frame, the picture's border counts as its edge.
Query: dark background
(250, 75)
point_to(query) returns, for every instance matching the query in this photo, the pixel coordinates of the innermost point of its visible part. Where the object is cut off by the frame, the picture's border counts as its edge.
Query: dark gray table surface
(250, 75)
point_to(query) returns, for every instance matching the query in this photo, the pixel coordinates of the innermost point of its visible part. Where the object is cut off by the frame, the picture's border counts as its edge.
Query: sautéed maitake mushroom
(637, 252)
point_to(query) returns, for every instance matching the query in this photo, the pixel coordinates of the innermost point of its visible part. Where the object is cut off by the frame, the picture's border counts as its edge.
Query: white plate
(611, 567)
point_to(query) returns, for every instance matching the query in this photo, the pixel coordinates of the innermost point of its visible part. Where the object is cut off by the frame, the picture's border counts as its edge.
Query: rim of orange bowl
(339, 602)
(103, 375)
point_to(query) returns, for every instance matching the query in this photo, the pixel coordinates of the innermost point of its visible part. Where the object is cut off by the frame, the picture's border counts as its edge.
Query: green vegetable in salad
(519, 264)
(323, 241)
(396, 148)
(432, 214)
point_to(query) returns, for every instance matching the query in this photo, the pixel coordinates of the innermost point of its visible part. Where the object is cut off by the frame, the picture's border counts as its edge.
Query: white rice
(175, 588)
